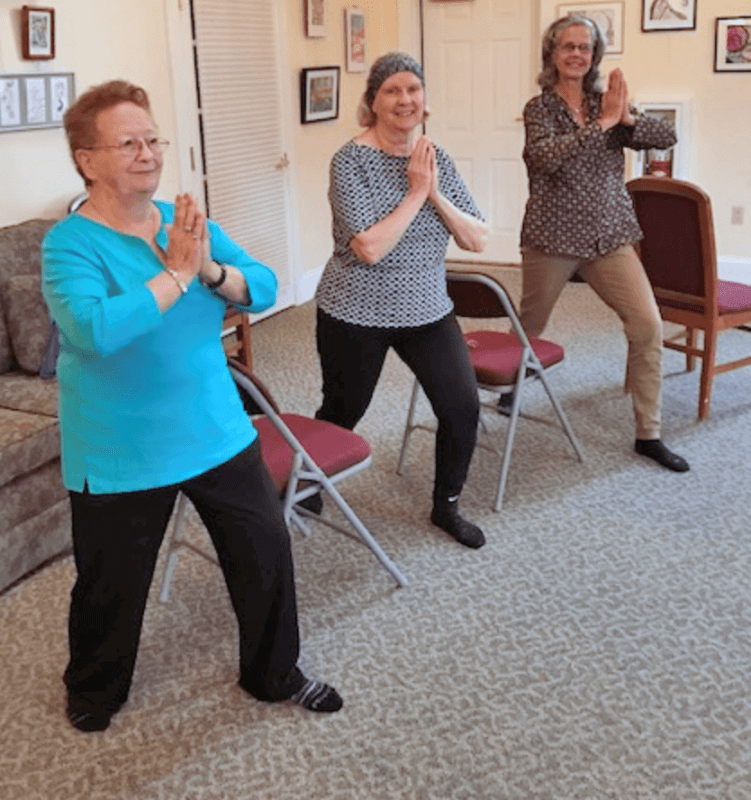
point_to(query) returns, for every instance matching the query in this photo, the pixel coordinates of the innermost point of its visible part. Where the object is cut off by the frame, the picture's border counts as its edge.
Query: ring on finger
(188, 228)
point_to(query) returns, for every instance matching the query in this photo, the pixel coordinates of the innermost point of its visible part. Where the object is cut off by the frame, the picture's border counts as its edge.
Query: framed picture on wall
(732, 45)
(668, 15)
(607, 16)
(37, 33)
(315, 17)
(319, 94)
(354, 39)
(675, 109)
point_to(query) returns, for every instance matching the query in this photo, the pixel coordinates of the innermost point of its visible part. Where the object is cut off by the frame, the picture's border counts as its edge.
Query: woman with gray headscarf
(579, 216)
(396, 198)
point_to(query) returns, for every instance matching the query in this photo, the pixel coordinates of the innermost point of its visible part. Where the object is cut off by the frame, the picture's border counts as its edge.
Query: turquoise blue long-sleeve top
(146, 398)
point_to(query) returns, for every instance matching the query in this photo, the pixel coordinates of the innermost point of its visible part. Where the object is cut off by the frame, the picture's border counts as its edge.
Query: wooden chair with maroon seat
(503, 362)
(679, 256)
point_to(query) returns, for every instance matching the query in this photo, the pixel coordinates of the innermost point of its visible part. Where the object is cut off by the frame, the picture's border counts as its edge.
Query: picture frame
(668, 15)
(609, 18)
(354, 39)
(732, 44)
(37, 33)
(319, 94)
(315, 18)
(35, 100)
(675, 161)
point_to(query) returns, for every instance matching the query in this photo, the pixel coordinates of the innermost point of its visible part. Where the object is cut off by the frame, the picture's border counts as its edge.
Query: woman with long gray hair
(579, 217)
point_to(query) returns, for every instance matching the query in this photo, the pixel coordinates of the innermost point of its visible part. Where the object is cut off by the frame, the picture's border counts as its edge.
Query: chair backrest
(236, 336)
(255, 395)
(477, 295)
(678, 248)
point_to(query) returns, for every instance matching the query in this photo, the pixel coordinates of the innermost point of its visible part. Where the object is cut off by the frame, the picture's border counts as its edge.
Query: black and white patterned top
(407, 287)
(578, 204)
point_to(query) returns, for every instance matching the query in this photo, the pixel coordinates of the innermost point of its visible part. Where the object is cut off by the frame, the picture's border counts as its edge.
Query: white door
(478, 78)
(241, 163)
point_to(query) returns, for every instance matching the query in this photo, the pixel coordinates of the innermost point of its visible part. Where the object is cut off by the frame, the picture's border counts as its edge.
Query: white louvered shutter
(241, 111)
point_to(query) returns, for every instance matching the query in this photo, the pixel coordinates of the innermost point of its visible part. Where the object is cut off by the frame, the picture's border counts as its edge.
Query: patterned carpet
(597, 647)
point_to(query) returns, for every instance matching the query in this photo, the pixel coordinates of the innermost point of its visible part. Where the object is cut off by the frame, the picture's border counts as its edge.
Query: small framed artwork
(668, 15)
(319, 94)
(37, 33)
(354, 37)
(35, 100)
(607, 16)
(315, 18)
(732, 44)
(676, 110)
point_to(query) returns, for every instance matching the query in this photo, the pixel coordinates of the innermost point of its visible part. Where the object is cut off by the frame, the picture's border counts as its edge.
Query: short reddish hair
(80, 118)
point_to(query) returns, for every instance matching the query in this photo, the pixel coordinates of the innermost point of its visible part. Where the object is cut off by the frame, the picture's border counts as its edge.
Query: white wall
(97, 41)
(314, 144)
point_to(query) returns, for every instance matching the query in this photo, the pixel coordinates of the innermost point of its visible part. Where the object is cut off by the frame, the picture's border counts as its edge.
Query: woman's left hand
(187, 238)
(627, 117)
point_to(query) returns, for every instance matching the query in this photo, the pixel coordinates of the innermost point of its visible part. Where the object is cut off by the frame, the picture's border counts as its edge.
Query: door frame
(188, 135)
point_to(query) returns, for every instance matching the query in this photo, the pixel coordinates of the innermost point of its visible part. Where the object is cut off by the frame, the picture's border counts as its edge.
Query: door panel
(477, 70)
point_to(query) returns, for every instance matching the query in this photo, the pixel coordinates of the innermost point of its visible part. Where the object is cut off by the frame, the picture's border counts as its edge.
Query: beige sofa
(34, 506)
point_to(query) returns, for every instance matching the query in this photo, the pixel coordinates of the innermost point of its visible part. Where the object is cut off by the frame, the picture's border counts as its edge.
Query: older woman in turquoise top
(138, 289)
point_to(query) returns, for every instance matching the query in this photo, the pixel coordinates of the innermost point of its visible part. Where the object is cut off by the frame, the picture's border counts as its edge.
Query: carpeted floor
(597, 647)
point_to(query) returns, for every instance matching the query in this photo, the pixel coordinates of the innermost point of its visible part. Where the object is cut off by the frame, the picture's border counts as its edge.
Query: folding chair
(304, 456)
(497, 358)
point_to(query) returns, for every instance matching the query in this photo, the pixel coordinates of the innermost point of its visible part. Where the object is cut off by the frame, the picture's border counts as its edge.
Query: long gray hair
(549, 74)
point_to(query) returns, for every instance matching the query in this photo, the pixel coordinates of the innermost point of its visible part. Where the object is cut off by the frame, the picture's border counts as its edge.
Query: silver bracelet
(178, 280)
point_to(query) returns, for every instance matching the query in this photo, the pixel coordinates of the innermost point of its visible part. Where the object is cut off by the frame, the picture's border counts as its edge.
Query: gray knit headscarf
(385, 67)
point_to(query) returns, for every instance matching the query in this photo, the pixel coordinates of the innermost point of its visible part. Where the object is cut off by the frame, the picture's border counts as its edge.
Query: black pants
(352, 357)
(116, 539)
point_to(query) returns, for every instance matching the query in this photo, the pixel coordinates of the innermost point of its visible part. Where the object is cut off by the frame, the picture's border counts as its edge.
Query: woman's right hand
(421, 170)
(614, 100)
(186, 238)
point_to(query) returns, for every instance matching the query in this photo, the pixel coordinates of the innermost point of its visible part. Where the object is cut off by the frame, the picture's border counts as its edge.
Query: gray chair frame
(305, 479)
(530, 370)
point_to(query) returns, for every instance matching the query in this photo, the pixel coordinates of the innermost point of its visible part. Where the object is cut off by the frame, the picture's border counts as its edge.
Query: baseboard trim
(734, 269)
(307, 285)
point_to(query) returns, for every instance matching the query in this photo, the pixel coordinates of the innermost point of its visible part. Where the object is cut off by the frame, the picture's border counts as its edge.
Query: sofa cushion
(21, 247)
(25, 497)
(22, 392)
(27, 318)
(6, 354)
(31, 543)
(20, 254)
(27, 442)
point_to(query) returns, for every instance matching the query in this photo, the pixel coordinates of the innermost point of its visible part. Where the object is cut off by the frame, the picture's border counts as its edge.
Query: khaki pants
(619, 279)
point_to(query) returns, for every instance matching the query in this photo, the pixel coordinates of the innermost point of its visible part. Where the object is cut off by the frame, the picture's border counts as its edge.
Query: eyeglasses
(132, 147)
(570, 47)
